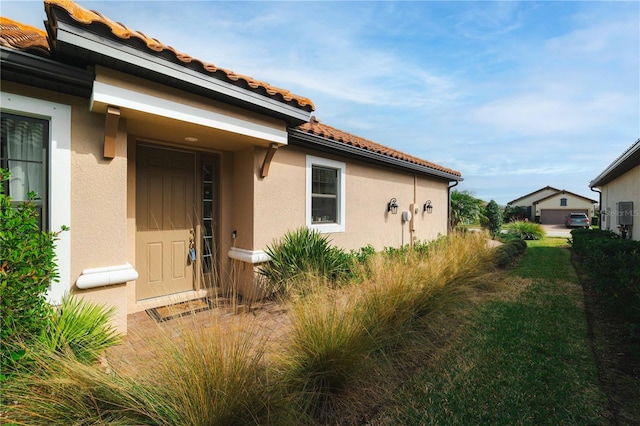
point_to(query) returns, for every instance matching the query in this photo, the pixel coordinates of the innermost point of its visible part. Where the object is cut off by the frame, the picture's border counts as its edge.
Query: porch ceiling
(160, 129)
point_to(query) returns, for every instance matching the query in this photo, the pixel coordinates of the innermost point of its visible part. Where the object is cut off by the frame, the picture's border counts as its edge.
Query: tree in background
(494, 217)
(513, 213)
(465, 208)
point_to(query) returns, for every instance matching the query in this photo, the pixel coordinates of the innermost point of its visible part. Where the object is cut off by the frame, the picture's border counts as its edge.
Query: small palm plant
(301, 256)
(82, 327)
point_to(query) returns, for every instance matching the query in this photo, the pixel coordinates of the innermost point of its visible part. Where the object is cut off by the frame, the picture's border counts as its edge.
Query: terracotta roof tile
(23, 37)
(319, 129)
(88, 17)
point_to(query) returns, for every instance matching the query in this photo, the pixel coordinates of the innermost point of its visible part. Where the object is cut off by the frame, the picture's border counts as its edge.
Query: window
(23, 151)
(563, 202)
(54, 121)
(325, 195)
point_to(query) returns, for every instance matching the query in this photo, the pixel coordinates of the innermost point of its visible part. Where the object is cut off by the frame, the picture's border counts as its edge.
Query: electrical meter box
(625, 212)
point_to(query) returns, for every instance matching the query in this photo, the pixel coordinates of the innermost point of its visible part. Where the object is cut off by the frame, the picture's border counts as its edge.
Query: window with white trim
(325, 210)
(23, 151)
(54, 185)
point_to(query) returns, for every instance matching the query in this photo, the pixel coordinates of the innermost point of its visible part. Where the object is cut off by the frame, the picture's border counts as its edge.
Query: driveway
(557, 231)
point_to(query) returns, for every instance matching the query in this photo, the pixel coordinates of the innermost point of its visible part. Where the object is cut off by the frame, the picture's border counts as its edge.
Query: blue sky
(514, 95)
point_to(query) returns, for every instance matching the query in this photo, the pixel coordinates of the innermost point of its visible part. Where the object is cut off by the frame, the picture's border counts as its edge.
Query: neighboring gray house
(550, 205)
(619, 187)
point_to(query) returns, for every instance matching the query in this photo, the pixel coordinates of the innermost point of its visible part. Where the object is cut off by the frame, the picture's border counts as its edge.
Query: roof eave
(309, 140)
(26, 68)
(72, 41)
(621, 165)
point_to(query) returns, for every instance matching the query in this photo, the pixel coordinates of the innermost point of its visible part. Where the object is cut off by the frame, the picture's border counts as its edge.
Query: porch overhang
(105, 95)
(76, 44)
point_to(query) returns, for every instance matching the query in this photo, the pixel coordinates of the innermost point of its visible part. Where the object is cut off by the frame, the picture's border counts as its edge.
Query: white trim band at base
(110, 275)
(248, 256)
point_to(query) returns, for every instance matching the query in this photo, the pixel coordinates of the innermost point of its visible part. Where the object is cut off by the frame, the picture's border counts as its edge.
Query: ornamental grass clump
(338, 337)
(526, 230)
(187, 375)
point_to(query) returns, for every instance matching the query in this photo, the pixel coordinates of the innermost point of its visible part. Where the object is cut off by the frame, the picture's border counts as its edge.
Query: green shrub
(581, 238)
(494, 217)
(526, 230)
(27, 268)
(614, 265)
(507, 253)
(300, 255)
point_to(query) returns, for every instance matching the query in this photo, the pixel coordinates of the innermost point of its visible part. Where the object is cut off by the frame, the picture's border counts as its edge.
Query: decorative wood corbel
(111, 131)
(271, 151)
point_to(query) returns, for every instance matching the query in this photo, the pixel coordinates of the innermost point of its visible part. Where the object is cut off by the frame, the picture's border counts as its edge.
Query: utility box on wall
(625, 212)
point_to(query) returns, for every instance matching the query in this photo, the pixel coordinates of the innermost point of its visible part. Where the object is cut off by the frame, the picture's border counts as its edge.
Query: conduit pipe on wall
(449, 204)
(110, 275)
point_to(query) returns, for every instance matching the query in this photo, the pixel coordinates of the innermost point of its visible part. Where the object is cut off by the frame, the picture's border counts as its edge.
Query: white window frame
(59, 178)
(340, 224)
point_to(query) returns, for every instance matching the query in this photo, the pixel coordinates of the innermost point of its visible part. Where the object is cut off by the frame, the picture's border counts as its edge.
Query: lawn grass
(524, 358)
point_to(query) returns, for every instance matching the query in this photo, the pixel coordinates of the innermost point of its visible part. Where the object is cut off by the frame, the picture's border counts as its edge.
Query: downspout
(599, 206)
(449, 205)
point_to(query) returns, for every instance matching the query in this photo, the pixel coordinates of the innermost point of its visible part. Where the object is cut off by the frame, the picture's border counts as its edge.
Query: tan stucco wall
(624, 188)
(98, 228)
(282, 195)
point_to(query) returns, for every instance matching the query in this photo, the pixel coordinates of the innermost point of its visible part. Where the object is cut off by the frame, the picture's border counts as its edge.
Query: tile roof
(23, 37)
(564, 192)
(317, 128)
(88, 17)
(33, 40)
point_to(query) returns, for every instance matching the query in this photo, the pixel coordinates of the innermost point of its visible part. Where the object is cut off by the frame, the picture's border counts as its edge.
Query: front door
(164, 218)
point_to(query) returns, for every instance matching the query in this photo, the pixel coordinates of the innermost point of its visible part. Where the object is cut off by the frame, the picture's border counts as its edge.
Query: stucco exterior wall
(98, 200)
(98, 206)
(282, 195)
(624, 188)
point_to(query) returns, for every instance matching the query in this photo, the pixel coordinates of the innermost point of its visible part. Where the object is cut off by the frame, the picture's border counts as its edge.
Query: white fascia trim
(248, 256)
(326, 228)
(59, 117)
(117, 96)
(120, 52)
(110, 275)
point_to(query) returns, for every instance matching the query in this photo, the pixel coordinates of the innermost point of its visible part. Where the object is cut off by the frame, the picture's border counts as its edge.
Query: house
(619, 187)
(550, 205)
(174, 174)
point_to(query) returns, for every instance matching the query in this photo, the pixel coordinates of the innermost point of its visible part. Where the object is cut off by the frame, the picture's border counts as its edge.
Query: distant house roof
(334, 139)
(565, 192)
(625, 162)
(546, 188)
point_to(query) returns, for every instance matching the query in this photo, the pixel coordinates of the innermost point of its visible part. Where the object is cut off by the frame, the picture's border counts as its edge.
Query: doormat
(169, 312)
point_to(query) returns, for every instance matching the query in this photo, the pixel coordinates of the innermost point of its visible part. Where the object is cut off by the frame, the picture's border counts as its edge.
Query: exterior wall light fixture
(428, 207)
(392, 206)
